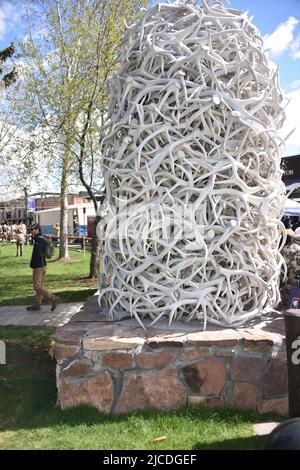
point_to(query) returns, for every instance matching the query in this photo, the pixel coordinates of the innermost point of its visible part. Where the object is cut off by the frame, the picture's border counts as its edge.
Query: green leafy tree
(8, 76)
(69, 58)
(12, 154)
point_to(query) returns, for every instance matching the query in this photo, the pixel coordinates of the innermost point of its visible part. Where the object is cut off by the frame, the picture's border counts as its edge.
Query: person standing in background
(56, 229)
(21, 232)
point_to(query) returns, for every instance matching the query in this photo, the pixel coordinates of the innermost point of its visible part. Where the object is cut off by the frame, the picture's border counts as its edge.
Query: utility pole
(26, 205)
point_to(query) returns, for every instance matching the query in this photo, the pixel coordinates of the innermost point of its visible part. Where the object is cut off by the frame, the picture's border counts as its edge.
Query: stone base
(119, 368)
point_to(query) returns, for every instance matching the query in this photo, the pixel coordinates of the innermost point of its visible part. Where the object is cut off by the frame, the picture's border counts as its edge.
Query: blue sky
(11, 21)
(277, 20)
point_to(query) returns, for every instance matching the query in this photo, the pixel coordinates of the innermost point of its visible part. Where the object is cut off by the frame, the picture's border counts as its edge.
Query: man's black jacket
(38, 259)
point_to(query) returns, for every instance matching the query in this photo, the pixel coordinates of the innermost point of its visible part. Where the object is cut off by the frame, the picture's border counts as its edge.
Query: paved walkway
(18, 315)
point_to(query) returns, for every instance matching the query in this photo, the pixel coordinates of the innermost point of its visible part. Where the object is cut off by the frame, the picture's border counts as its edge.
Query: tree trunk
(63, 243)
(96, 240)
(96, 251)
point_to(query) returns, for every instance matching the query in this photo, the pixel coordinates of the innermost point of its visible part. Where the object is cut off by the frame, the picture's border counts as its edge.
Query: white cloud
(295, 48)
(292, 121)
(295, 84)
(10, 15)
(282, 38)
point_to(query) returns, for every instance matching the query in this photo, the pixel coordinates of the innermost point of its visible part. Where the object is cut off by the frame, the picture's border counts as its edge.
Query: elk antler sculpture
(192, 170)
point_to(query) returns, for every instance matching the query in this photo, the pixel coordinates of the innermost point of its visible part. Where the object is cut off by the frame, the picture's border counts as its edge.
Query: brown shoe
(55, 301)
(33, 308)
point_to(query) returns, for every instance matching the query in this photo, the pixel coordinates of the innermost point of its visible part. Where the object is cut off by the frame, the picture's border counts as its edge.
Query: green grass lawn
(29, 418)
(66, 279)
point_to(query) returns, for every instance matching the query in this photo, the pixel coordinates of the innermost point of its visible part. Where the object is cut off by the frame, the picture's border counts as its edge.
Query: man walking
(38, 265)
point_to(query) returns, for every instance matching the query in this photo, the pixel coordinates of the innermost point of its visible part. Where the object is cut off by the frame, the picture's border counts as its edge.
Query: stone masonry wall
(121, 369)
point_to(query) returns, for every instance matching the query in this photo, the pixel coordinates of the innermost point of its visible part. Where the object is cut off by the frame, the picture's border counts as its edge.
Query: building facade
(14, 210)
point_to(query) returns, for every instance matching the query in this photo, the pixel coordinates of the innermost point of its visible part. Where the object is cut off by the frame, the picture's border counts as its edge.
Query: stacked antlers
(192, 170)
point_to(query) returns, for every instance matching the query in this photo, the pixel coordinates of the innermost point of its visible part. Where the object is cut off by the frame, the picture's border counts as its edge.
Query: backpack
(49, 248)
